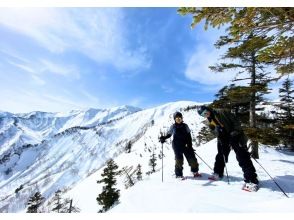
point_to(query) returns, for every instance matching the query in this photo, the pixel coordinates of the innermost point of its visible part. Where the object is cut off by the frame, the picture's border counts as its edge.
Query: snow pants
(243, 157)
(179, 159)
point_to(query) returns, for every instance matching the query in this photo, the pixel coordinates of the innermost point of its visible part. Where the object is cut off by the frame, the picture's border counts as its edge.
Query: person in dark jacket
(182, 145)
(229, 134)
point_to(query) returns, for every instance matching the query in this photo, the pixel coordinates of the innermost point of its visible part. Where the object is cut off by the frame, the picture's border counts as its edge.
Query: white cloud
(59, 69)
(30, 71)
(204, 54)
(22, 66)
(37, 69)
(26, 100)
(198, 67)
(99, 33)
(38, 80)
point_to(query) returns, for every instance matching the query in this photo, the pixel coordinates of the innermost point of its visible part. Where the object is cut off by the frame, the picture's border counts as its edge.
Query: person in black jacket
(229, 134)
(182, 145)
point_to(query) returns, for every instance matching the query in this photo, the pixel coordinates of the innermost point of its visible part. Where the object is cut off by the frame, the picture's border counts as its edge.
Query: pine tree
(263, 36)
(286, 94)
(204, 135)
(69, 207)
(232, 98)
(139, 172)
(222, 101)
(35, 202)
(57, 202)
(109, 195)
(243, 56)
(152, 162)
(286, 116)
(61, 205)
(275, 23)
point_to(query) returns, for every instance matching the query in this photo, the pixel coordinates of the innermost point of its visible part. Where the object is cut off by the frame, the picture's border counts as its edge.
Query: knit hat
(178, 114)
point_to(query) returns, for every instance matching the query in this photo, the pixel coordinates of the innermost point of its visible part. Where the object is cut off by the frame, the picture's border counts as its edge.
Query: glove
(234, 133)
(188, 146)
(162, 139)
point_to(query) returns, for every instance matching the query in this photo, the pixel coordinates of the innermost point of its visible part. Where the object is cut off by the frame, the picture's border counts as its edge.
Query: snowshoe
(250, 187)
(180, 177)
(197, 175)
(214, 177)
(192, 177)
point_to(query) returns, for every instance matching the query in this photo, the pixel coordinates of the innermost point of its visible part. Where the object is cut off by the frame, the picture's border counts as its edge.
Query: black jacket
(181, 135)
(229, 123)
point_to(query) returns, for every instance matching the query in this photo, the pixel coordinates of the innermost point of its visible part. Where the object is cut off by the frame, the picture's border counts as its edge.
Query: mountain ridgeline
(46, 152)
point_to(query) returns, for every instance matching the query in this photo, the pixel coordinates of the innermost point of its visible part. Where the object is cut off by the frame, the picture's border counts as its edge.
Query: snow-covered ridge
(39, 147)
(73, 157)
(34, 127)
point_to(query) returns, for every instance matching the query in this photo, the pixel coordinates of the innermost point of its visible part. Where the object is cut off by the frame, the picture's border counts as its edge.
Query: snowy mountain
(50, 151)
(36, 146)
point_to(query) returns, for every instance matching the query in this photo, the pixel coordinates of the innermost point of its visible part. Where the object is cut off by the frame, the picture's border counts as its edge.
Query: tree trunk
(252, 111)
(70, 206)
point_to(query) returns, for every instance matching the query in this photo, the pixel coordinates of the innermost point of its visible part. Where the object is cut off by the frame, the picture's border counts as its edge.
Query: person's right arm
(168, 134)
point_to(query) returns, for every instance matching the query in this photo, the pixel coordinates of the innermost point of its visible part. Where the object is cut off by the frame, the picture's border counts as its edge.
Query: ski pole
(271, 178)
(202, 160)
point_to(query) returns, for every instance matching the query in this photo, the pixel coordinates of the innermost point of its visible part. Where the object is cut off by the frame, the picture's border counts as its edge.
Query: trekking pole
(225, 163)
(226, 169)
(202, 160)
(271, 178)
(161, 134)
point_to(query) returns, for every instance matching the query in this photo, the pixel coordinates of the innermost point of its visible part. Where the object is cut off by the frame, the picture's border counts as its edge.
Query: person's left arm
(189, 137)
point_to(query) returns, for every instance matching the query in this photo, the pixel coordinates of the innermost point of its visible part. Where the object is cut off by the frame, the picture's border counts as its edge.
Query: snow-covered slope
(204, 196)
(19, 130)
(194, 196)
(64, 153)
(73, 159)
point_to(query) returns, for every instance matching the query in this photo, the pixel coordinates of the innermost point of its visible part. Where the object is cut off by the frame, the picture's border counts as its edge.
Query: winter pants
(190, 156)
(242, 155)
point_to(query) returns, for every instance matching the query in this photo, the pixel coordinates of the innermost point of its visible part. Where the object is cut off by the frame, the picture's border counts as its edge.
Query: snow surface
(200, 196)
(74, 160)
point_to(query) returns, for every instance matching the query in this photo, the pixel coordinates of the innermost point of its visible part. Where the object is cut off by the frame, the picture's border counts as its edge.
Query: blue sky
(59, 59)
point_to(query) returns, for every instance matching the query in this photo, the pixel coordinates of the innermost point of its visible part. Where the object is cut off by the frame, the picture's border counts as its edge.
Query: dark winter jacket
(225, 124)
(181, 135)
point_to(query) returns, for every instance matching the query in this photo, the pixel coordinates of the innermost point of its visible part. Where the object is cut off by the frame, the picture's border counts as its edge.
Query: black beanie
(178, 114)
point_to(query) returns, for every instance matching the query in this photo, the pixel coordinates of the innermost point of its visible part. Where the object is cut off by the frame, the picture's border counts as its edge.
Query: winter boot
(250, 187)
(215, 177)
